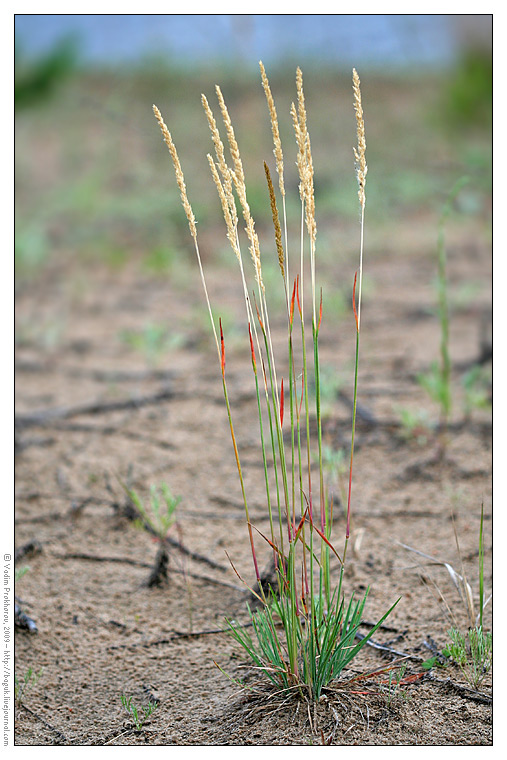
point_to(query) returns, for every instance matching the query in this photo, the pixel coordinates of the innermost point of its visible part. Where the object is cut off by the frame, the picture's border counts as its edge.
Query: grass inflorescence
(303, 632)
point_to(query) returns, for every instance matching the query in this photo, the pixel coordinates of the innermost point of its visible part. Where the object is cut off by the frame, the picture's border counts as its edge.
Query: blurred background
(94, 184)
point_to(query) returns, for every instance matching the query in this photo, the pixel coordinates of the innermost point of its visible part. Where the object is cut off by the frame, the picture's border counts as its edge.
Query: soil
(91, 412)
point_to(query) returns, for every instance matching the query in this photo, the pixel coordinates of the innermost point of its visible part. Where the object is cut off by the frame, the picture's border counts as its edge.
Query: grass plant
(476, 384)
(437, 381)
(160, 512)
(303, 631)
(415, 424)
(392, 688)
(157, 516)
(152, 342)
(138, 716)
(28, 682)
(471, 650)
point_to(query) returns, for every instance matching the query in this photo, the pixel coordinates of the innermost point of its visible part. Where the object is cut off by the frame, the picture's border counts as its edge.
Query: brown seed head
(276, 220)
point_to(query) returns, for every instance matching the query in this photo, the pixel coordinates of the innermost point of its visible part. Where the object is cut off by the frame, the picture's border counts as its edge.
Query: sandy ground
(92, 411)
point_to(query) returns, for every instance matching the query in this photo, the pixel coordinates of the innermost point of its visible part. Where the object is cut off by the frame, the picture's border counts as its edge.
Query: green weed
(27, 683)
(476, 385)
(415, 424)
(138, 716)
(472, 652)
(437, 381)
(392, 689)
(20, 572)
(160, 511)
(153, 342)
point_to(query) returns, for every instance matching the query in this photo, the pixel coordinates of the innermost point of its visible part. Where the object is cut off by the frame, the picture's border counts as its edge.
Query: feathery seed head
(360, 151)
(304, 160)
(233, 145)
(274, 128)
(230, 222)
(238, 178)
(222, 164)
(178, 171)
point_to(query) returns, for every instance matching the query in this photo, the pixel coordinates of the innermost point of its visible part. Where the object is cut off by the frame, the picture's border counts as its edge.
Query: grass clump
(472, 652)
(156, 516)
(160, 512)
(304, 627)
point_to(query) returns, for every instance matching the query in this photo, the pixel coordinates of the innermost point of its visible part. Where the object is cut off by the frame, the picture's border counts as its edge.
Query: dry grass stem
(178, 171)
(274, 128)
(276, 220)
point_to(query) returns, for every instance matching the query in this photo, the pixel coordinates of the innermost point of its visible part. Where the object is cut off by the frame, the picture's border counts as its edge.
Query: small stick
(46, 724)
(46, 416)
(139, 563)
(463, 691)
(389, 650)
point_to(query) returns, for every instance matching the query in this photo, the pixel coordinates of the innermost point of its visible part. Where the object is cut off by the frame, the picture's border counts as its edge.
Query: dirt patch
(91, 410)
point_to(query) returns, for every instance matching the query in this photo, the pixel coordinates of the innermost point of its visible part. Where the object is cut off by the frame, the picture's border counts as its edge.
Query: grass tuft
(303, 634)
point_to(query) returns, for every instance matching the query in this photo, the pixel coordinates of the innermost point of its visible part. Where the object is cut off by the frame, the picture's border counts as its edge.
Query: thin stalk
(481, 566)
(443, 308)
(240, 473)
(264, 459)
(354, 409)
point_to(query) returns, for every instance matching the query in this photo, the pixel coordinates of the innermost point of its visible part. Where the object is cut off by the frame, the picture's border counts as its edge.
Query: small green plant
(157, 516)
(393, 688)
(437, 661)
(476, 385)
(472, 652)
(437, 381)
(152, 342)
(415, 424)
(474, 656)
(139, 717)
(20, 572)
(28, 682)
(304, 633)
(160, 512)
